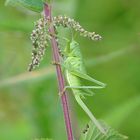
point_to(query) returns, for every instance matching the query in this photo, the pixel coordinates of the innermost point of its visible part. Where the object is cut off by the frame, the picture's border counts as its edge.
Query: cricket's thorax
(74, 63)
(74, 59)
(73, 81)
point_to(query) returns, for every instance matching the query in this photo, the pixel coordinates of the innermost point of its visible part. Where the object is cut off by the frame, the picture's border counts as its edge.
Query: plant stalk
(47, 11)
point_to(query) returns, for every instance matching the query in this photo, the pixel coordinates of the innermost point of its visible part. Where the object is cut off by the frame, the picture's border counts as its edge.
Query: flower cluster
(39, 43)
(68, 22)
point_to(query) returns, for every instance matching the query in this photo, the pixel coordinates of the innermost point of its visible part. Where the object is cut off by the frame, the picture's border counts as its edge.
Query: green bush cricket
(77, 77)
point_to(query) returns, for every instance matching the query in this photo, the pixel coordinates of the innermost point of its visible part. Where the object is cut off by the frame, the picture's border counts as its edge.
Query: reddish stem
(47, 10)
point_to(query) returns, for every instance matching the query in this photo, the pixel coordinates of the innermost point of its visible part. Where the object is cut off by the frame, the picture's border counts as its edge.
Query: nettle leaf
(91, 132)
(34, 5)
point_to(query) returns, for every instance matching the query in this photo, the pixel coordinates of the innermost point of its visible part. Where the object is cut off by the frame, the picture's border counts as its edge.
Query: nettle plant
(69, 65)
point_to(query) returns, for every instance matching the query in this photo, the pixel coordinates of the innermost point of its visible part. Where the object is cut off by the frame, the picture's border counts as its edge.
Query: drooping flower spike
(71, 23)
(39, 43)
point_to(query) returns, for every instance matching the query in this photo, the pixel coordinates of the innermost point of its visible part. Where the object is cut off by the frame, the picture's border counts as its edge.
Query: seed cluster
(68, 22)
(39, 43)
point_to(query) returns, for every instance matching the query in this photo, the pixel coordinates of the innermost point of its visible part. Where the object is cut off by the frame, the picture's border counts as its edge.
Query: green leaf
(34, 5)
(91, 132)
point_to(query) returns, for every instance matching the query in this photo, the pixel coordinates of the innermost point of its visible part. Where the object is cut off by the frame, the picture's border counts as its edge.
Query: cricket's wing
(85, 77)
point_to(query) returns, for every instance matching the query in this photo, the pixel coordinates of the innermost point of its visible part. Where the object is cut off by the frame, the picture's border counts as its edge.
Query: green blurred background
(29, 104)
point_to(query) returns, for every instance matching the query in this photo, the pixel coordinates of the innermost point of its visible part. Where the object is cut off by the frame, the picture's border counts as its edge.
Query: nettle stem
(47, 11)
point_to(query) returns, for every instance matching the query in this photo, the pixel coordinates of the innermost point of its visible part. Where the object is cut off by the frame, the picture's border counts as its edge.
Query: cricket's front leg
(70, 87)
(62, 92)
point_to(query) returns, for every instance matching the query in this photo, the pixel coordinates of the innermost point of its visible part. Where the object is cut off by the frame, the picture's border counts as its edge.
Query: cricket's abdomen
(73, 81)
